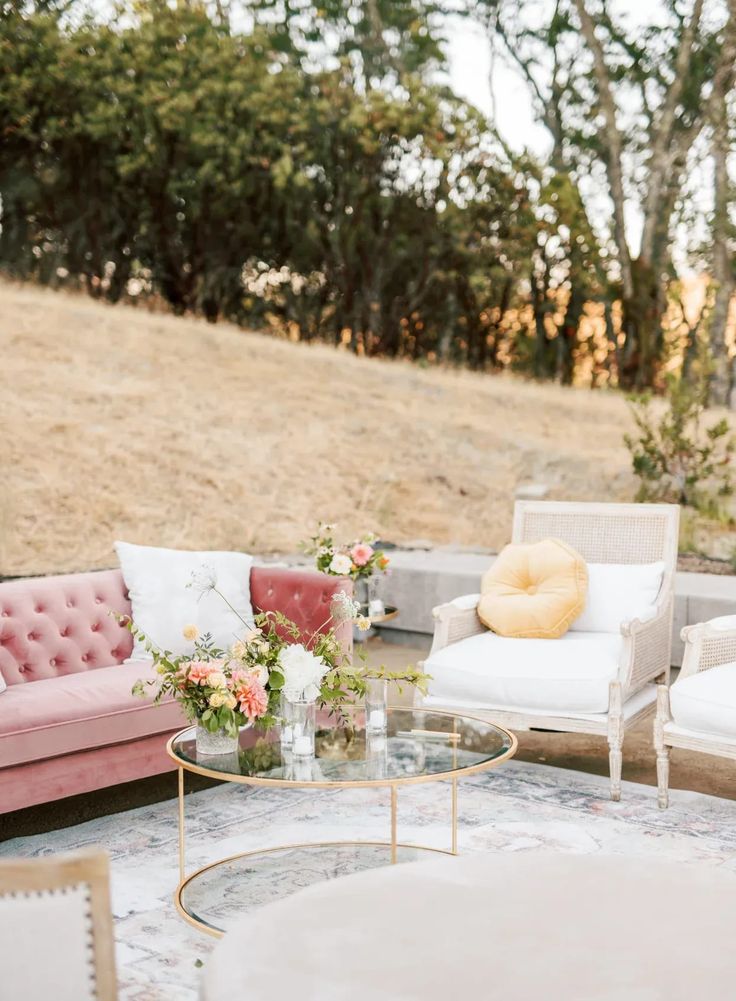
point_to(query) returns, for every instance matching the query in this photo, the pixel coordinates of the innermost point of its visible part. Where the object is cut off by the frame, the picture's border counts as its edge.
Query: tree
(627, 111)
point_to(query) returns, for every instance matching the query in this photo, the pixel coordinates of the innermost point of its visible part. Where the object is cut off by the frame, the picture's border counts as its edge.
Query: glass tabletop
(419, 745)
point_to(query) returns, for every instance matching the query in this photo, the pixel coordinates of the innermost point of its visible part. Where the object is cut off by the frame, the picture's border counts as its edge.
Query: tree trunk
(721, 389)
(642, 326)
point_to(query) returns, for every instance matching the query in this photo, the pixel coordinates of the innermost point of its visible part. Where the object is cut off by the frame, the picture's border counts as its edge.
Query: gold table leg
(181, 825)
(454, 816)
(393, 824)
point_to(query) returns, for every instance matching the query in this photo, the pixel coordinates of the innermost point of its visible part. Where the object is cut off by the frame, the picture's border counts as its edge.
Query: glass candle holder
(303, 716)
(376, 755)
(376, 715)
(286, 725)
(376, 606)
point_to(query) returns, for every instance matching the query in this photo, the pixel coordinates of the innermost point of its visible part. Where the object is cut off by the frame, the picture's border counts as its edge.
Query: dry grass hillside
(119, 423)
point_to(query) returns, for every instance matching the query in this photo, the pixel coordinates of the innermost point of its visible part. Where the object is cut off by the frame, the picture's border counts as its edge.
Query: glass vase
(215, 741)
(362, 593)
(376, 714)
(300, 718)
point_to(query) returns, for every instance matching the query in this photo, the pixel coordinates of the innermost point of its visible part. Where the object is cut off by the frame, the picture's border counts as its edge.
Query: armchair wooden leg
(663, 777)
(663, 751)
(615, 762)
(615, 740)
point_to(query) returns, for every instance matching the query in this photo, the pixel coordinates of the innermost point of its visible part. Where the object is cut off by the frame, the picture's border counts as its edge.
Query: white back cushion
(162, 603)
(45, 943)
(617, 593)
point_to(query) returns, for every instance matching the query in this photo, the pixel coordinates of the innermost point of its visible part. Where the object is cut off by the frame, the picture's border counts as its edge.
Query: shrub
(676, 456)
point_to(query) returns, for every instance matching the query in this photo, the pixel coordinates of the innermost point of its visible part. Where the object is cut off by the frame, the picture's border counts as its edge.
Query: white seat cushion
(706, 701)
(570, 674)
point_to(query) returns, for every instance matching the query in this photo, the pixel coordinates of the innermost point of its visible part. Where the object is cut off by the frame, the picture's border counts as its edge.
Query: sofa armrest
(454, 622)
(303, 596)
(647, 649)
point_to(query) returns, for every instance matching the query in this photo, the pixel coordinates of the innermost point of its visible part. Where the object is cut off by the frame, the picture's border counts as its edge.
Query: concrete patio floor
(689, 770)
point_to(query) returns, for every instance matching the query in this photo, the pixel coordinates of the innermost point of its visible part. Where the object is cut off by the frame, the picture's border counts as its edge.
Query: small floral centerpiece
(356, 559)
(222, 691)
(360, 559)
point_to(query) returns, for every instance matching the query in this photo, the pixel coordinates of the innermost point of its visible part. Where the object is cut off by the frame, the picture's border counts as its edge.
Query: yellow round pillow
(534, 591)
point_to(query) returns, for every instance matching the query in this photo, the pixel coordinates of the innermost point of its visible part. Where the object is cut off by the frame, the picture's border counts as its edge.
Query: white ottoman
(517, 927)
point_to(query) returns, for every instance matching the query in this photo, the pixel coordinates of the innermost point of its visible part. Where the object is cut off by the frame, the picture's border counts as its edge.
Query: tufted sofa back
(60, 625)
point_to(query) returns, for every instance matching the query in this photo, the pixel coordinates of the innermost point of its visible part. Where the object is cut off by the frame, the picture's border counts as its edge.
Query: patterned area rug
(519, 807)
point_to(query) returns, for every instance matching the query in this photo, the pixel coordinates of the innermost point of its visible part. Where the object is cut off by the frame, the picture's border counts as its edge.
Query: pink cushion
(52, 626)
(77, 712)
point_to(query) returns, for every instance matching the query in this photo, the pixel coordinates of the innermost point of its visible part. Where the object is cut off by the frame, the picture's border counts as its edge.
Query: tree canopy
(306, 168)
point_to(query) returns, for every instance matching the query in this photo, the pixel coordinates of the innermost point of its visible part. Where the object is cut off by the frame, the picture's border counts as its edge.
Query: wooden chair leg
(615, 762)
(615, 740)
(663, 777)
(663, 752)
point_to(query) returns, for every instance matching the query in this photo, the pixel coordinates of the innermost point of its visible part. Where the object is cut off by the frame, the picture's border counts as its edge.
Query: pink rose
(361, 553)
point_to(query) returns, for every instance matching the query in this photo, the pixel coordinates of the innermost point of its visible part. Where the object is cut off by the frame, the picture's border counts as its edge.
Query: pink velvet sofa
(68, 721)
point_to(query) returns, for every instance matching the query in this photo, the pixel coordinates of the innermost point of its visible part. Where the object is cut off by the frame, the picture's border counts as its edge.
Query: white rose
(341, 564)
(217, 680)
(302, 671)
(217, 699)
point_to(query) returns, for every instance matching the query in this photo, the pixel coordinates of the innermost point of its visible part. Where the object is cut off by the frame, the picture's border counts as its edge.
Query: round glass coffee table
(419, 746)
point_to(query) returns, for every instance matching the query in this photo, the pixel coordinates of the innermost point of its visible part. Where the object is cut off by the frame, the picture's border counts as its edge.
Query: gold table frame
(394, 844)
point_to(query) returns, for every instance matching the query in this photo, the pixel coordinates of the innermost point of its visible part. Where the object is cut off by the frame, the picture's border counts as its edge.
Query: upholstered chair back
(56, 939)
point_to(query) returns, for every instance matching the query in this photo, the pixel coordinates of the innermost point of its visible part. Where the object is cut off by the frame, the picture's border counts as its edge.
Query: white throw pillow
(618, 593)
(723, 623)
(162, 604)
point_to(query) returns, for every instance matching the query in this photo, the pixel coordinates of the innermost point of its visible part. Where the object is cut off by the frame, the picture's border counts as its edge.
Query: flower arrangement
(356, 559)
(223, 690)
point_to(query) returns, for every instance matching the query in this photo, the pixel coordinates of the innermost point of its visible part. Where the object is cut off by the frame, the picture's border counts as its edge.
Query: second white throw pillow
(163, 604)
(617, 593)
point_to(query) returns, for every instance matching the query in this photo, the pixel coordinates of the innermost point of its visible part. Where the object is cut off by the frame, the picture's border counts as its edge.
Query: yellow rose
(238, 650)
(218, 699)
(217, 680)
(190, 633)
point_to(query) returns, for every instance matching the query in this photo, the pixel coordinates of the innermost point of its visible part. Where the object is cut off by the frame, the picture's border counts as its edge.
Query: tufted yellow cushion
(534, 591)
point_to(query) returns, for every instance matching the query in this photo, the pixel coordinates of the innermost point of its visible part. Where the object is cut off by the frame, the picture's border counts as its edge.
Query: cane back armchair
(705, 719)
(601, 533)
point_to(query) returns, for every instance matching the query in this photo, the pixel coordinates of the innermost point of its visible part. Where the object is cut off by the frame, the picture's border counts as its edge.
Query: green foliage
(309, 174)
(678, 458)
